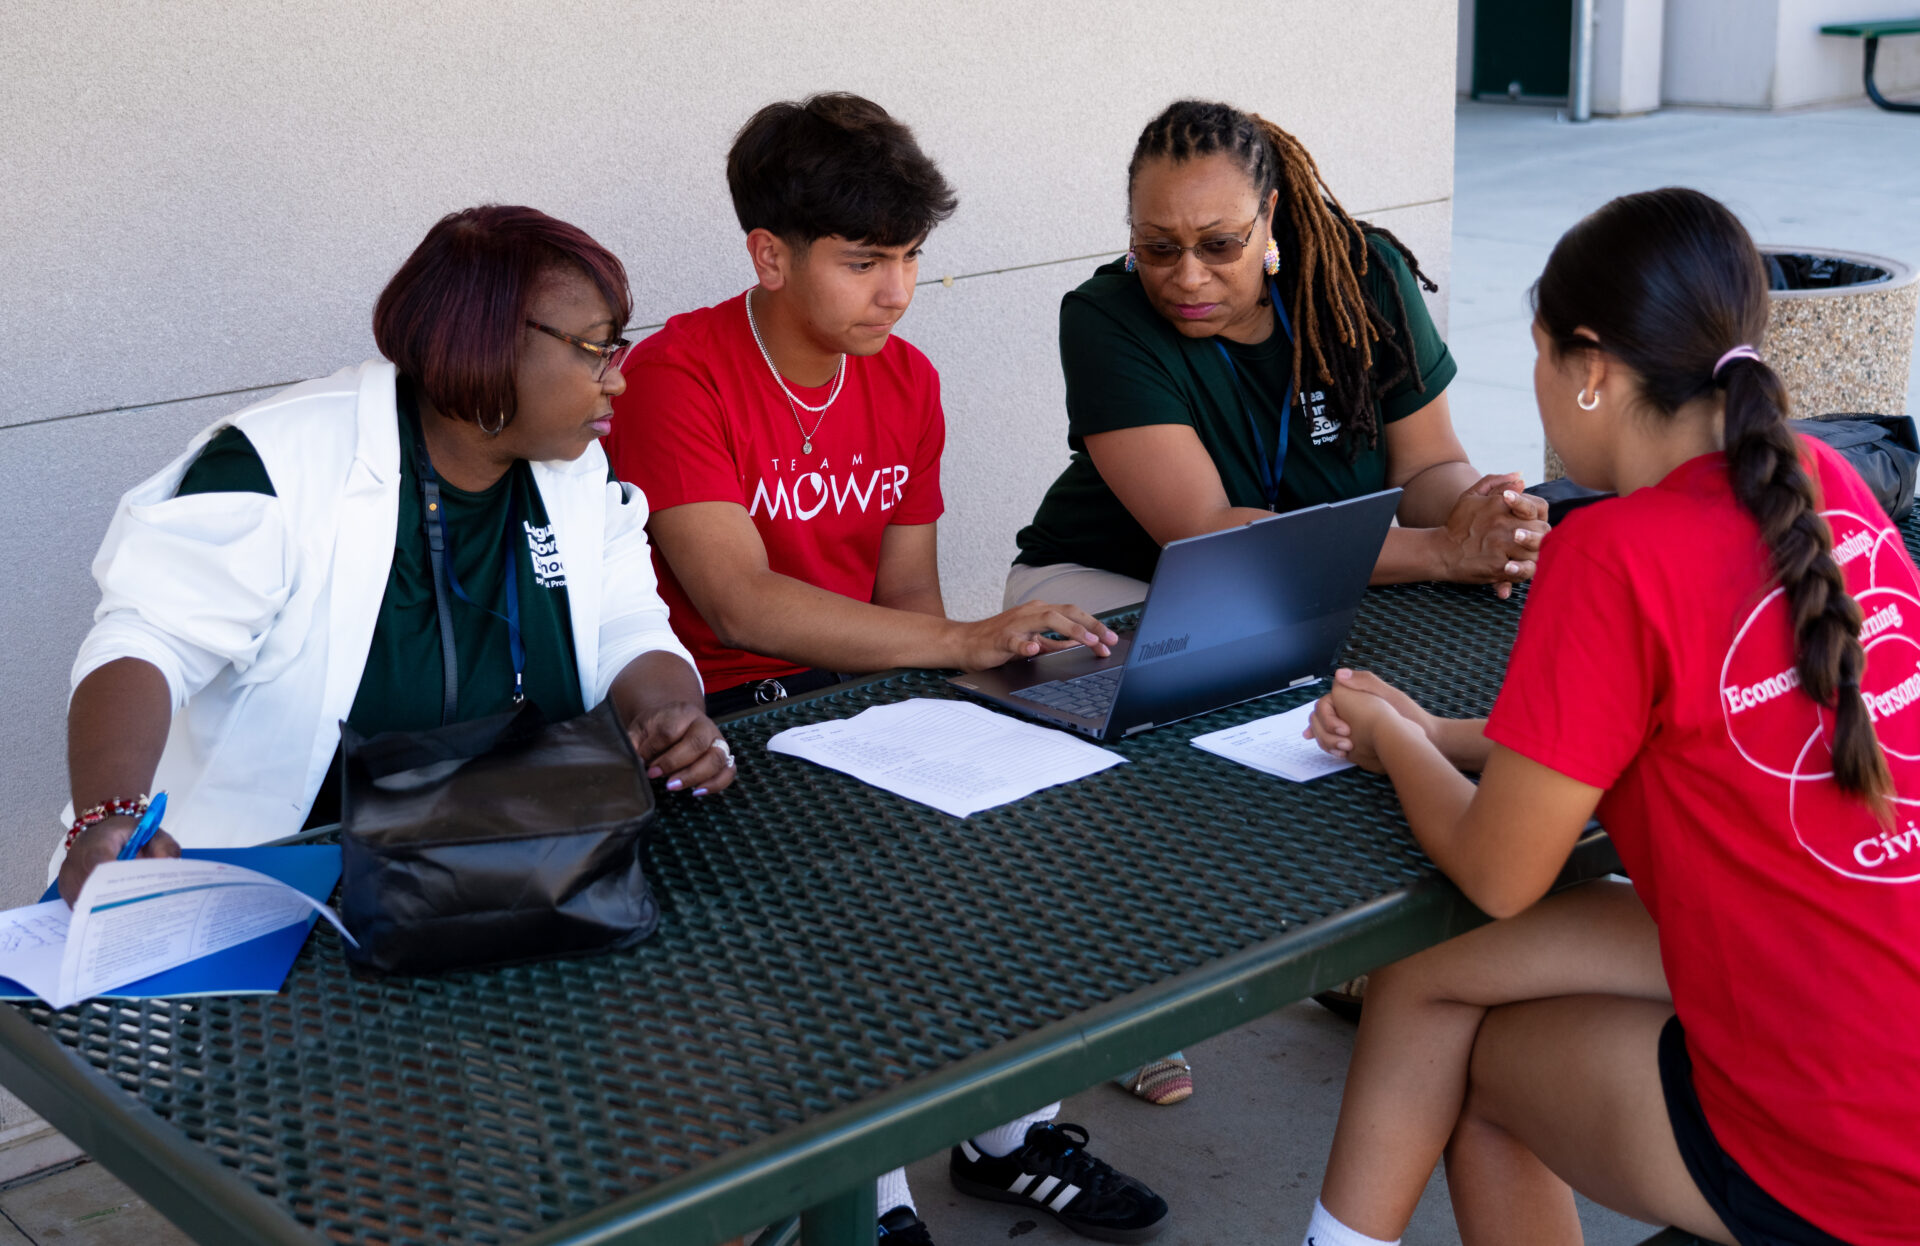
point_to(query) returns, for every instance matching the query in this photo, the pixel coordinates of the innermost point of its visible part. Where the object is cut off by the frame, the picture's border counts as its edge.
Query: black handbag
(1883, 449)
(495, 840)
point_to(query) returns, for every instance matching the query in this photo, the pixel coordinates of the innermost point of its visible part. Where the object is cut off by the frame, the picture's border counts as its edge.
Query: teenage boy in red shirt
(789, 447)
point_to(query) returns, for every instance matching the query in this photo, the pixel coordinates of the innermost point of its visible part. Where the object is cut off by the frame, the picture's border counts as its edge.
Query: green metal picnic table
(842, 981)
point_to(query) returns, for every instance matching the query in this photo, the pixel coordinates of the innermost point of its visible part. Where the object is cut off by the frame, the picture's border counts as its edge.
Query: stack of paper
(954, 755)
(1274, 745)
(170, 926)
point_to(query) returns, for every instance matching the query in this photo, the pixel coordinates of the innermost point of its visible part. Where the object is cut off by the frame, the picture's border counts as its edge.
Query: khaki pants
(1070, 584)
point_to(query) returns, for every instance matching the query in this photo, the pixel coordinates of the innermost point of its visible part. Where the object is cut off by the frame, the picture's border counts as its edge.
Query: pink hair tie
(1739, 352)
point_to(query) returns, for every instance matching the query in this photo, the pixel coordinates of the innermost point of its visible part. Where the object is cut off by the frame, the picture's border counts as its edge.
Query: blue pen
(144, 829)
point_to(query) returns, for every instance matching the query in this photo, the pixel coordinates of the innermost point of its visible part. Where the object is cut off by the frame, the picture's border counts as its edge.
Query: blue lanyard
(1269, 475)
(440, 547)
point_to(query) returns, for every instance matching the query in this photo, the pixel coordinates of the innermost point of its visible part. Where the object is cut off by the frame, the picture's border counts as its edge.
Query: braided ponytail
(1771, 480)
(1667, 280)
(1337, 329)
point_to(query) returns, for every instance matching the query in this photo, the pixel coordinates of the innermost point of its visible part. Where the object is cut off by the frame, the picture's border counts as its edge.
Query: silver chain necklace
(839, 378)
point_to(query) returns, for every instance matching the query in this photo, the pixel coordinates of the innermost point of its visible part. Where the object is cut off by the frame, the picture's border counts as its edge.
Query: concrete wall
(1719, 52)
(1770, 53)
(1726, 53)
(202, 202)
(1627, 40)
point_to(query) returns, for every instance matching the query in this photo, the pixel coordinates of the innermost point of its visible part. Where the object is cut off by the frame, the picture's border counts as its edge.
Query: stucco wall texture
(202, 201)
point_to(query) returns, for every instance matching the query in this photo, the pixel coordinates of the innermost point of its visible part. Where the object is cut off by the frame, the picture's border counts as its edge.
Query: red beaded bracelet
(132, 808)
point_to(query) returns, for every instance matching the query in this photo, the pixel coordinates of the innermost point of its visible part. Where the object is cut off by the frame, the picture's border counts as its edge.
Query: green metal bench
(1873, 32)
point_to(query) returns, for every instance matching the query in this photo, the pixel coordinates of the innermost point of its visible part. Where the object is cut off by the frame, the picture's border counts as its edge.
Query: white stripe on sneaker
(966, 1149)
(1067, 1194)
(1020, 1183)
(1045, 1188)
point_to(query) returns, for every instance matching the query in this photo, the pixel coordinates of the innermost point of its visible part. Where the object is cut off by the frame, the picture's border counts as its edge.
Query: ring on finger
(726, 750)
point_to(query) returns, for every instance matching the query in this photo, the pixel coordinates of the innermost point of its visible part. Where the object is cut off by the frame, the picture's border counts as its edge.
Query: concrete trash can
(1840, 334)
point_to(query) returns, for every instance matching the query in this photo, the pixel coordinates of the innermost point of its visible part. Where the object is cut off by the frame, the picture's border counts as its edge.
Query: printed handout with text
(954, 755)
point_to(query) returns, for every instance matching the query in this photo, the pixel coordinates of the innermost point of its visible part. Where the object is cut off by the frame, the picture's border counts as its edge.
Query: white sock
(1324, 1230)
(893, 1192)
(1011, 1136)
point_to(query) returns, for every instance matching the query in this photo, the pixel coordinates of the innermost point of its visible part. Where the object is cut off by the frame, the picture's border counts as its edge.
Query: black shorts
(1753, 1216)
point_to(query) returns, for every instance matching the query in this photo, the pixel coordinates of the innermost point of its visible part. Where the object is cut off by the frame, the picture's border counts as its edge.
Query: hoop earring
(1273, 257)
(1131, 265)
(1580, 400)
(496, 429)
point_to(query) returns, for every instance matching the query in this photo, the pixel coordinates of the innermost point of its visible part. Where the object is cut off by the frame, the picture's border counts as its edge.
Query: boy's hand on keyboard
(1022, 633)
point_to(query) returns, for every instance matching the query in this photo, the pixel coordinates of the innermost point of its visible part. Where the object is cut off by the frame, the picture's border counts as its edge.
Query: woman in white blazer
(278, 578)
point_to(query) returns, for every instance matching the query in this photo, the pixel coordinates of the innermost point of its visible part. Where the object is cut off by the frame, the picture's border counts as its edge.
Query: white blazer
(259, 610)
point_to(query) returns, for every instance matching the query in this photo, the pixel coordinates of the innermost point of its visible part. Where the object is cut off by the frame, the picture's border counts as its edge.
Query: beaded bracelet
(132, 808)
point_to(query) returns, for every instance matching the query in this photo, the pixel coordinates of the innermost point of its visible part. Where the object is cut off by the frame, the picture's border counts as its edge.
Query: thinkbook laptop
(1230, 616)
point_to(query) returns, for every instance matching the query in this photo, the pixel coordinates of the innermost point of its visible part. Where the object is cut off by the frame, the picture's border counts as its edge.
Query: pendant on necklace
(806, 447)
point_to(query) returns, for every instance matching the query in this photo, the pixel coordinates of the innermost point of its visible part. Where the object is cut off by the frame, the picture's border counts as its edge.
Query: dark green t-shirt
(1126, 367)
(402, 683)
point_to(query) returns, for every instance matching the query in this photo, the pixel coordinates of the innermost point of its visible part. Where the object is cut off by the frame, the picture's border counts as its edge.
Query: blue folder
(256, 967)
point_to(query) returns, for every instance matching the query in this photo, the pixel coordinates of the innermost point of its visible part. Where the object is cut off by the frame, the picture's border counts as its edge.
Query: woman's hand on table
(102, 842)
(679, 743)
(1346, 720)
(1022, 633)
(1493, 534)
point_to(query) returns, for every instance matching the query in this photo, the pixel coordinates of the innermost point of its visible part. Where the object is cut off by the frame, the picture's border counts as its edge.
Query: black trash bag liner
(1883, 449)
(492, 841)
(1796, 271)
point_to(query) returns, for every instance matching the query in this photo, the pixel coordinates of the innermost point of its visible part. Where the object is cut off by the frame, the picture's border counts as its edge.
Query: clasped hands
(1360, 707)
(1493, 533)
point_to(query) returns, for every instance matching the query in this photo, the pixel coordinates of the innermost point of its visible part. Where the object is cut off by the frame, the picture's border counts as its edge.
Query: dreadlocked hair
(1337, 327)
(1668, 280)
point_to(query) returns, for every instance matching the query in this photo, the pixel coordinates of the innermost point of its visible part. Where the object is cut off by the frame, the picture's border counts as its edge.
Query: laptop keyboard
(1088, 696)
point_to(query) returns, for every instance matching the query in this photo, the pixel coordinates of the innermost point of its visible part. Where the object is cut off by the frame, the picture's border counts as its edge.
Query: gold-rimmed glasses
(610, 354)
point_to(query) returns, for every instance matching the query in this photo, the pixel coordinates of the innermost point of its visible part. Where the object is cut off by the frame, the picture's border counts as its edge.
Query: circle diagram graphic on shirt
(1856, 537)
(1842, 833)
(1891, 566)
(1785, 734)
(1891, 684)
(1769, 722)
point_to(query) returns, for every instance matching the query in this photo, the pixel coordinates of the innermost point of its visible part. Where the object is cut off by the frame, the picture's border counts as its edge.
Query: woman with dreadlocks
(1249, 294)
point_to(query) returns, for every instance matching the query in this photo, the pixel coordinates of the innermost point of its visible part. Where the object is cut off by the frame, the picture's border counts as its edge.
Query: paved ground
(1241, 1161)
(1842, 177)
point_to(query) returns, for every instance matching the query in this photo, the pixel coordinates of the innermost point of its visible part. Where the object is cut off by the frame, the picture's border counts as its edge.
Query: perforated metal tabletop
(841, 981)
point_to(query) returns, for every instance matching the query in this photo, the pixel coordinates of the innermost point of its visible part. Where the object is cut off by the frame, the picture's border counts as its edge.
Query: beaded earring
(1273, 257)
(1131, 265)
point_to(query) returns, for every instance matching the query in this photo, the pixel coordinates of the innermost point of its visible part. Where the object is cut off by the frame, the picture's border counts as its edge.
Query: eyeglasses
(610, 354)
(1214, 252)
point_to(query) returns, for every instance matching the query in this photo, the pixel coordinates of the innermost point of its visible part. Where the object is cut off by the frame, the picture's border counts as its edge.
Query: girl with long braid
(1723, 664)
(1257, 350)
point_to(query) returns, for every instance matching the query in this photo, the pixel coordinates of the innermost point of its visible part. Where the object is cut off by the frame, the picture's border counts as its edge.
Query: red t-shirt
(1655, 660)
(703, 420)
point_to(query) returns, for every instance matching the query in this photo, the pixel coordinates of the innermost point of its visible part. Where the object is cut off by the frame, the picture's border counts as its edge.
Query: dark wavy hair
(1669, 280)
(835, 164)
(1337, 327)
(454, 316)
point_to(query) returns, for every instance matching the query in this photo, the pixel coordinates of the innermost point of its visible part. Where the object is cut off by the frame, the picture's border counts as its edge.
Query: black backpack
(1884, 449)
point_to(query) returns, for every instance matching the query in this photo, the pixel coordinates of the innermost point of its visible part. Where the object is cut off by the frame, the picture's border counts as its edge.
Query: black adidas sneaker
(1052, 1172)
(900, 1227)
